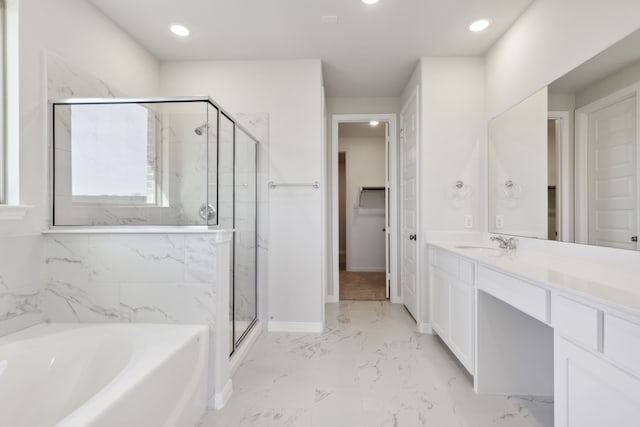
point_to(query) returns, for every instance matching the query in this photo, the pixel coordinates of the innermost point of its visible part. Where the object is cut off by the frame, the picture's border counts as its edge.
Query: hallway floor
(362, 286)
(368, 369)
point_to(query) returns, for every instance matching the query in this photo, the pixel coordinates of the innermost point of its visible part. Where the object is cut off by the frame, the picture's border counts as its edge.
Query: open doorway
(364, 203)
(362, 210)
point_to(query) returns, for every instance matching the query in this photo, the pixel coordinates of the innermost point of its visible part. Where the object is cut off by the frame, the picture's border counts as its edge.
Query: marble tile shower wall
(170, 130)
(163, 278)
(21, 282)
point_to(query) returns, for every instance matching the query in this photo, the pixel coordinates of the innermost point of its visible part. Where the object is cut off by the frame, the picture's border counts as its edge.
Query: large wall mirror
(563, 164)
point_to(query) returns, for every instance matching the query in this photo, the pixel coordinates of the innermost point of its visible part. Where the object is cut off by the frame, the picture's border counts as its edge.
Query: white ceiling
(371, 51)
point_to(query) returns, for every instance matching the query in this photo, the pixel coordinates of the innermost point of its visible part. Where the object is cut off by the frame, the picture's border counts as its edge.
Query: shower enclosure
(153, 163)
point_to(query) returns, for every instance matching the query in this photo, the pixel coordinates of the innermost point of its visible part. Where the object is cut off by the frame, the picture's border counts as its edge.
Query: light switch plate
(499, 222)
(468, 221)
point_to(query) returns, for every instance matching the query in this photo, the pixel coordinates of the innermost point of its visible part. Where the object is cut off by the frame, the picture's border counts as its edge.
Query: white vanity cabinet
(597, 366)
(453, 304)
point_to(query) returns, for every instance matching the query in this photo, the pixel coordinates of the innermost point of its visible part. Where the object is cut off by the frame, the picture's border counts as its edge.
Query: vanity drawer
(519, 294)
(578, 322)
(446, 262)
(622, 342)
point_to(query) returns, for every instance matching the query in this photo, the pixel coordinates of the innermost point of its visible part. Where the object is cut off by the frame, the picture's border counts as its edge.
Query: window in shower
(112, 154)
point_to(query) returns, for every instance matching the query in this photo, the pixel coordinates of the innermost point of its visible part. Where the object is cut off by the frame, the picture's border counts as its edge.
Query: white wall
(453, 135)
(541, 46)
(365, 164)
(291, 92)
(78, 32)
(453, 142)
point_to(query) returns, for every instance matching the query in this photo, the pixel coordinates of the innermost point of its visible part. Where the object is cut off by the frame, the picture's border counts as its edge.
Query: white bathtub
(107, 375)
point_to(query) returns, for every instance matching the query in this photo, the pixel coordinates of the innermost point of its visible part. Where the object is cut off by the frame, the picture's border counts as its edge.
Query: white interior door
(409, 209)
(612, 175)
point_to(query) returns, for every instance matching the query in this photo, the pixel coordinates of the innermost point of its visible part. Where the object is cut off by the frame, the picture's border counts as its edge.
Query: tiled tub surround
(104, 375)
(179, 277)
(544, 323)
(21, 282)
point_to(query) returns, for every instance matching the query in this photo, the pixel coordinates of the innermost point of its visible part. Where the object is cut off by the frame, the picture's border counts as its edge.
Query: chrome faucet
(509, 243)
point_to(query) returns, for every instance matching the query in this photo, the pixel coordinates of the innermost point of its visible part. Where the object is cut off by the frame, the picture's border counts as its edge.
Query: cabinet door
(462, 322)
(590, 392)
(440, 303)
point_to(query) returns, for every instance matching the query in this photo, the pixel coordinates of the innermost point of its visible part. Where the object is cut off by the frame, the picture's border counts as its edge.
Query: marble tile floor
(369, 368)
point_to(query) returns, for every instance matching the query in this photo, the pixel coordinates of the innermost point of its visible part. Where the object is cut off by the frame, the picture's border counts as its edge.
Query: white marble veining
(155, 277)
(599, 281)
(369, 368)
(21, 282)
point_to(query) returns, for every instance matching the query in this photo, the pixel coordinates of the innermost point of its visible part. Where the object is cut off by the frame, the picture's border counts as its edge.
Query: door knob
(413, 237)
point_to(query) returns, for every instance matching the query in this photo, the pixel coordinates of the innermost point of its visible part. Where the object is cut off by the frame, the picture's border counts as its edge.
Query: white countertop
(599, 282)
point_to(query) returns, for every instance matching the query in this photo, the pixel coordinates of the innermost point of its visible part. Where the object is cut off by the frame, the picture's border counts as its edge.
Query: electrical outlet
(499, 222)
(468, 221)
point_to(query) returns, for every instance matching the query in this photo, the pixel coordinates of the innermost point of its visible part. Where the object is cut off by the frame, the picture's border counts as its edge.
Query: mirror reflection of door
(611, 141)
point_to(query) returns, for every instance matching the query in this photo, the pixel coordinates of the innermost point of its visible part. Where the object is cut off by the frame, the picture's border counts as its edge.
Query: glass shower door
(245, 204)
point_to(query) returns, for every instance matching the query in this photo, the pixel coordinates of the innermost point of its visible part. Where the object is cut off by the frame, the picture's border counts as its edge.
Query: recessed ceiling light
(479, 25)
(179, 30)
(374, 123)
(370, 1)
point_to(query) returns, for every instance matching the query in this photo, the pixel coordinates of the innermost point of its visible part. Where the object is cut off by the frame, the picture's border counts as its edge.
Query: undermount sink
(482, 249)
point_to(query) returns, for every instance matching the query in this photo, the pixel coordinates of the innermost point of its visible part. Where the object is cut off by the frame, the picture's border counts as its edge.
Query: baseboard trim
(425, 328)
(332, 299)
(311, 327)
(220, 399)
(240, 353)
